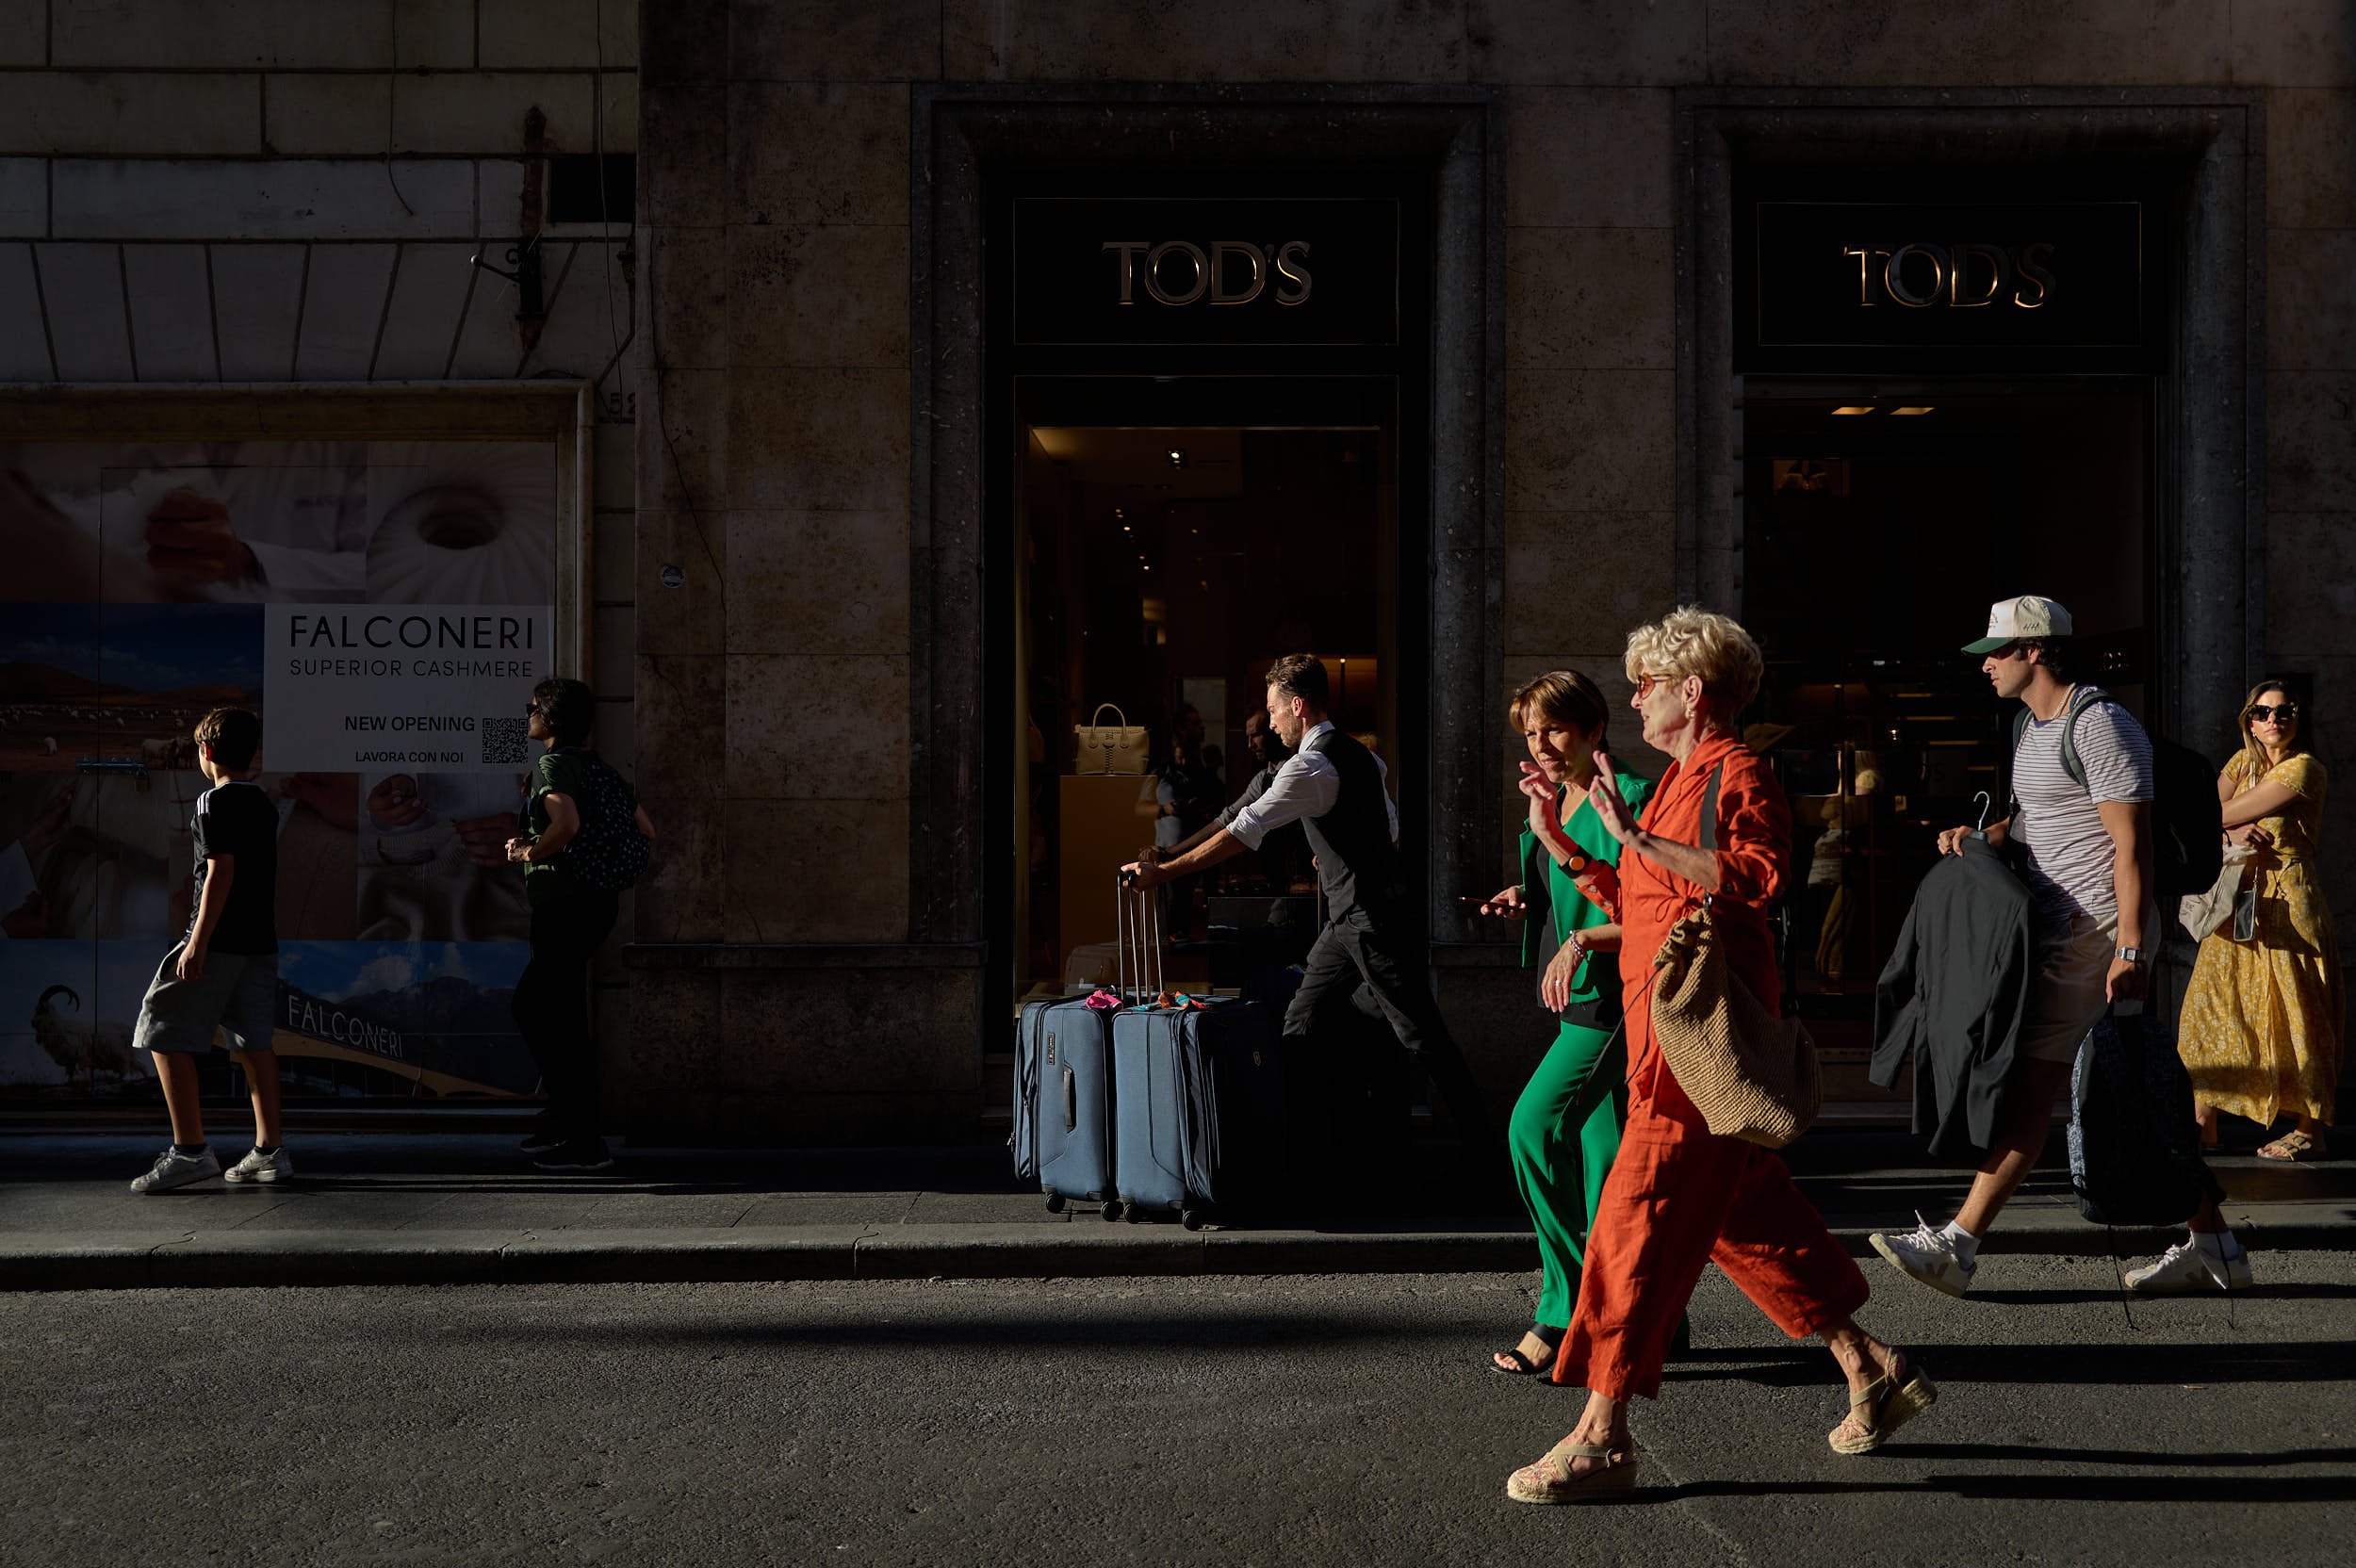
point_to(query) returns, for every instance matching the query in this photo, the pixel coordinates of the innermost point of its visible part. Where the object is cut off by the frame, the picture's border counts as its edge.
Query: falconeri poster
(438, 686)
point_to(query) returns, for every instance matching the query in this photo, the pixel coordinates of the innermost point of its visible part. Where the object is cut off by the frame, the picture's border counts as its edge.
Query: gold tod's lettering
(1960, 277)
(1209, 272)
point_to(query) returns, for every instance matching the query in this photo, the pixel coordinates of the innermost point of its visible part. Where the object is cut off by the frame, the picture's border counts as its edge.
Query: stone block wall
(775, 459)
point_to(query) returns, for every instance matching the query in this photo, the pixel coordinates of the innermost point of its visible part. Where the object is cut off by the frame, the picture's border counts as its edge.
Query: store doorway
(1880, 526)
(1161, 567)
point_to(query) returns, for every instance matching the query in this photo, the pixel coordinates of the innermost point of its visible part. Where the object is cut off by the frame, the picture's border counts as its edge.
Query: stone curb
(31, 1262)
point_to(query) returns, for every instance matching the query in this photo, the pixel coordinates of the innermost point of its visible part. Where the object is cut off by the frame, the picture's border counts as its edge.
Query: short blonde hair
(1690, 640)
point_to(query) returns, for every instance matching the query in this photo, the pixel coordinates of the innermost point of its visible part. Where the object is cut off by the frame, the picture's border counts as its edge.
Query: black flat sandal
(1523, 1366)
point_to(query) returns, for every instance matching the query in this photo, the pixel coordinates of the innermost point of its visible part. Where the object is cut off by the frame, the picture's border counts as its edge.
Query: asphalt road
(1295, 1421)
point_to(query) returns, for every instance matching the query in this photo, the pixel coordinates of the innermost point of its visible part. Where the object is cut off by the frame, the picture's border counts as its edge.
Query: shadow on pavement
(2055, 1488)
(2232, 1362)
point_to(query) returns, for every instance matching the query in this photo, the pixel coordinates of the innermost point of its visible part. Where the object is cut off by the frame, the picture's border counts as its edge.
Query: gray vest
(1357, 863)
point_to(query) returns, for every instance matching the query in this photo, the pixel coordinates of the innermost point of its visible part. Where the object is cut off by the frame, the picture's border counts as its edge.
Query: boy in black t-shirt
(224, 974)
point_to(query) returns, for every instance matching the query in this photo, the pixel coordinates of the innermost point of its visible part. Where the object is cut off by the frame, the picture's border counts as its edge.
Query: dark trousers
(1356, 966)
(553, 1004)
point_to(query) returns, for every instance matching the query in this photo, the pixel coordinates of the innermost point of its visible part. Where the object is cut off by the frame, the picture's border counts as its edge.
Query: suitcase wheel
(1137, 1213)
(1112, 1209)
(1055, 1203)
(1191, 1219)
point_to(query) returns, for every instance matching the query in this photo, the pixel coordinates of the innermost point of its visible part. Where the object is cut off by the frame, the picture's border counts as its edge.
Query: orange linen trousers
(1677, 1197)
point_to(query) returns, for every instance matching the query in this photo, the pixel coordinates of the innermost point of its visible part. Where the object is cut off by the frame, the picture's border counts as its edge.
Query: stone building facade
(801, 435)
(812, 416)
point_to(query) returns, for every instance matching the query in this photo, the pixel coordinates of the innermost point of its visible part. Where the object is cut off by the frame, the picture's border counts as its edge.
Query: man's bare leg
(2027, 1119)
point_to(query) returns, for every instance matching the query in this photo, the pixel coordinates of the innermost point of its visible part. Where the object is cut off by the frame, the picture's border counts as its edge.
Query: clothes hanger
(1986, 803)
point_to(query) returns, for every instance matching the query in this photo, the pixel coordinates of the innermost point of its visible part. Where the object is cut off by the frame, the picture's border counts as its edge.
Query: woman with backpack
(2264, 1014)
(585, 839)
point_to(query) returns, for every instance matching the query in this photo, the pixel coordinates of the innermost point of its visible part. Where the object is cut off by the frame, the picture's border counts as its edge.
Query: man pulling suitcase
(1334, 787)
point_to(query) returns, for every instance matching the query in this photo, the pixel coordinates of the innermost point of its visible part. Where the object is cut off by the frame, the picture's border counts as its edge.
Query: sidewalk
(418, 1208)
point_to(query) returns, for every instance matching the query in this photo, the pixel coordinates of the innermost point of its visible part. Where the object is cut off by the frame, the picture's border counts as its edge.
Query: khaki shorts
(2065, 995)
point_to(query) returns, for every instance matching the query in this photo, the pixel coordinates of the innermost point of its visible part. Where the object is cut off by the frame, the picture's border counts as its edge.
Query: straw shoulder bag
(1752, 1074)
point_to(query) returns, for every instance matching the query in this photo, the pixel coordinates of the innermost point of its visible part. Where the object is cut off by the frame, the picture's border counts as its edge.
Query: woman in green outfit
(1565, 1128)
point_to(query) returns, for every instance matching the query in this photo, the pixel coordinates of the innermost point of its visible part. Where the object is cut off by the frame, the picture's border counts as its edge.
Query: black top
(237, 821)
(1357, 860)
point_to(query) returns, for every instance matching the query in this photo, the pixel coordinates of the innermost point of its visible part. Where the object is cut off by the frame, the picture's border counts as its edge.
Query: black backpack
(609, 852)
(2135, 1151)
(2187, 824)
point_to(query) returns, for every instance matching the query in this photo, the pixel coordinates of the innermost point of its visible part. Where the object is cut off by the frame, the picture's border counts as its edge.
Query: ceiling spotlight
(1117, 513)
(1177, 458)
(1917, 408)
(1856, 408)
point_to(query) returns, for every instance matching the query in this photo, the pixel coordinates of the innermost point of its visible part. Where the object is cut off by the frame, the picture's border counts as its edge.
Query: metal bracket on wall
(531, 312)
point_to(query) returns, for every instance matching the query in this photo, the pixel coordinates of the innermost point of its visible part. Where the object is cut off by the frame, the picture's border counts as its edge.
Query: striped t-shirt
(2068, 868)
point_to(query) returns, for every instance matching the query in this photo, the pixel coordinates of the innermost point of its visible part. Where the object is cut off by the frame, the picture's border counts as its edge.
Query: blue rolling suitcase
(1198, 1102)
(1063, 1101)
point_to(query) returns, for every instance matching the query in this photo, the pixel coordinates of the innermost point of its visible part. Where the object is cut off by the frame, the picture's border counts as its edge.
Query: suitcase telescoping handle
(1138, 948)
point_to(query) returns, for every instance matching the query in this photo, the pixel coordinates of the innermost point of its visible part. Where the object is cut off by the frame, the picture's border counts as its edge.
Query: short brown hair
(1565, 697)
(235, 734)
(1299, 675)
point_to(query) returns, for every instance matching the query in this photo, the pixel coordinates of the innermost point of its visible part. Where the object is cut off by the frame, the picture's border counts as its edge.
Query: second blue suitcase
(1199, 1108)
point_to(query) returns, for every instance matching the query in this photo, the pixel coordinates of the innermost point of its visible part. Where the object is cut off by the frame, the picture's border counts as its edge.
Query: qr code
(504, 742)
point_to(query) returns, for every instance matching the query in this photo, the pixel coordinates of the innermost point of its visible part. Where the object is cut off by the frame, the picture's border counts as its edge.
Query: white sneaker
(258, 1166)
(2184, 1269)
(175, 1169)
(1927, 1255)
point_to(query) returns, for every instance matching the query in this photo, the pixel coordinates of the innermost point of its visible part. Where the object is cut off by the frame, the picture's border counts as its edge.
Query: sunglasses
(2260, 713)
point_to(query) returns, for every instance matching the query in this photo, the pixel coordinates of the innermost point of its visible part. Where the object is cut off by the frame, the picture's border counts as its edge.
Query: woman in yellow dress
(2262, 1021)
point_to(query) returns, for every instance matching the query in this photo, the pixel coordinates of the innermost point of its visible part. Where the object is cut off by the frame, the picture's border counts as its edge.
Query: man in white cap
(2084, 834)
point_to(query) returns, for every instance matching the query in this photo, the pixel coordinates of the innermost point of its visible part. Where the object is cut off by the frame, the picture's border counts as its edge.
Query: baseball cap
(2010, 620)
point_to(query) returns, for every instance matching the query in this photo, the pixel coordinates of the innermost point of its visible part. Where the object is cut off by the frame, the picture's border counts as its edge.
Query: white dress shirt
(1307, 786)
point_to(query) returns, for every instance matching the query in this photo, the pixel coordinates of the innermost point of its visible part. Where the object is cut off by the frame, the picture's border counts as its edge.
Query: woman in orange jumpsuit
(1678, 1196)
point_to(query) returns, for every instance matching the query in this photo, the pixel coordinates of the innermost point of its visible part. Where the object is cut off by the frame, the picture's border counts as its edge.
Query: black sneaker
(576, 1155)
(547, 1131)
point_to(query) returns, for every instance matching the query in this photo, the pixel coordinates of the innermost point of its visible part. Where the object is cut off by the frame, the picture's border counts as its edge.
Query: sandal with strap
(1889, 1402)
(1524, 1365)
(2295, 1146)
(1550, 1480)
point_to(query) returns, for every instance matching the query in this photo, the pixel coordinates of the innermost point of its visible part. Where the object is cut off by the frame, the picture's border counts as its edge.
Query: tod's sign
(1827, 283)
(1244, 270)
(1923, 276)
(1177, 273)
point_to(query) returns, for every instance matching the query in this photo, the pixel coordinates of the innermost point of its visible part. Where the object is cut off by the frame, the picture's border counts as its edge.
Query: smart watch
(2134, 955)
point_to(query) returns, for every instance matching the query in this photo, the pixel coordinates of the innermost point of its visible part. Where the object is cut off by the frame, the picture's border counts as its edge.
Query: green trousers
(1564, 1133)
